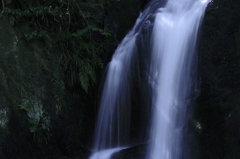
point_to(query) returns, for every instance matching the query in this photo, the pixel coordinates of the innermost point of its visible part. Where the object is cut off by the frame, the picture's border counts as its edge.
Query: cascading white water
(174, 38)
(174, 30)
(113, 117)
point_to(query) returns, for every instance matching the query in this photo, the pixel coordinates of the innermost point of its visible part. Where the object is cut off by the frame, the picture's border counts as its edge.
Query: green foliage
(73, 31)
(40, 134)
(38, 121)
(24, 107)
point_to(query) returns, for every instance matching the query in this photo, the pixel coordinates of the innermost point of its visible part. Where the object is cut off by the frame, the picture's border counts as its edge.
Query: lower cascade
(150, 82)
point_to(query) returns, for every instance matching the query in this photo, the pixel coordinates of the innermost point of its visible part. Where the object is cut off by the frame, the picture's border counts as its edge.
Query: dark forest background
(52, 58)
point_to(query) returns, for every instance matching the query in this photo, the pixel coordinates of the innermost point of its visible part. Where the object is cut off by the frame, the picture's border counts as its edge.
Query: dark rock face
(40, 116)
(218, 109)
(32, 125)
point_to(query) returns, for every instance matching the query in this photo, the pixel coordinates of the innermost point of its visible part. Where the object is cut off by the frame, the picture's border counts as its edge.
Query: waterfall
(155, 63)
(175, 34)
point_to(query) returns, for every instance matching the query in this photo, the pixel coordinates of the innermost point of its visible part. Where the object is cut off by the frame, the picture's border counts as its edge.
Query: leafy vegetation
(73, 32)
(52, 56)
(38, 120)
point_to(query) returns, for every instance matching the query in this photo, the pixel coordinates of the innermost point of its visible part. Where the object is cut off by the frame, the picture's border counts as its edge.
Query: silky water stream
(155, 62)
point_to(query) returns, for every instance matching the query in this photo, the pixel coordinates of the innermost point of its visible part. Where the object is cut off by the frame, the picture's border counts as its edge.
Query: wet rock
(134, 152)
